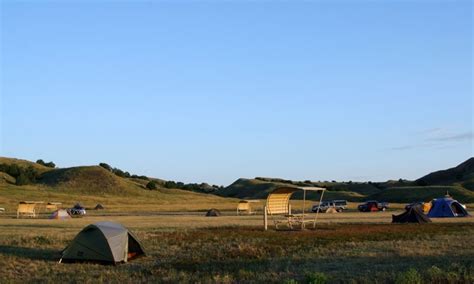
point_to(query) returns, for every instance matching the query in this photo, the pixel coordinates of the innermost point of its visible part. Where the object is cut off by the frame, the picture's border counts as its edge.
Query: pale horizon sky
(211, 91)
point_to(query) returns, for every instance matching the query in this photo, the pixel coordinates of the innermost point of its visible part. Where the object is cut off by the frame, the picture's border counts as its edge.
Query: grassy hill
(98, 181)
(94, 184)
(249, 188)
(422, 193)
(464, 173)
(91, 179)
(24, 164)
(459, 181)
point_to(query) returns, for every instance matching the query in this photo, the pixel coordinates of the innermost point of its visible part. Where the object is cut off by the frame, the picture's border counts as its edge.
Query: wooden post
(265, 220)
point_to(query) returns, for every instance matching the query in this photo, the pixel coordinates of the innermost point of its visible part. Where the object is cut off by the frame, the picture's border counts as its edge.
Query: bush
(151, 185)
(49, 164)
(316, 278)
(170, 184)
(435, 274)
(140, 177)
(410, 276)
(120, 173)
(106, 166)
(22, 175)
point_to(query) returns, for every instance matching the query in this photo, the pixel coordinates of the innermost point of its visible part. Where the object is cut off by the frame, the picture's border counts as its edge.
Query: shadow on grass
(30, 253)
(343, 267)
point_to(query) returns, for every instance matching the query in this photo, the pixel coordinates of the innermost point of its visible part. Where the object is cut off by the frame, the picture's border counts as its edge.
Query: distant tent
(213, 213)
(413, 214)
(99, 207)
(105, 242)
(447, 207)
(331, 210)
(60, 215)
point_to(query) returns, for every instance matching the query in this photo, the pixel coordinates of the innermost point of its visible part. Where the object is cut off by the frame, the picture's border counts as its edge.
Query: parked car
(373, 205)
(339, 205)
(77, 210)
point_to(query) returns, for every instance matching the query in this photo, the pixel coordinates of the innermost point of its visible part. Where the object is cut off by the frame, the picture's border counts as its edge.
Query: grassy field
(187, 247)
(139, 201)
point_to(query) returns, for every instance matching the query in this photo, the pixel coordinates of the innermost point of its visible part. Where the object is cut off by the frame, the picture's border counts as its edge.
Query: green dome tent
(105, 242)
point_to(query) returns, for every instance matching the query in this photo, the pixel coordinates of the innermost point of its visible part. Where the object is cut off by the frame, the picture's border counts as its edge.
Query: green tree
(106, 166)
(151, 185)
(43, 163)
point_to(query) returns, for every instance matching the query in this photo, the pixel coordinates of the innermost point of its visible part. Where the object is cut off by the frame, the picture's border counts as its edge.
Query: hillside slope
(259, 188)
(88, 179)
(24, 164)
(460, 174)
(249, 188)
(423, 193)
(94, 184)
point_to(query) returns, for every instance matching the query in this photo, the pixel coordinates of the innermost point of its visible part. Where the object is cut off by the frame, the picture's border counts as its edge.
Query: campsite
(236, 142)
(179, 243)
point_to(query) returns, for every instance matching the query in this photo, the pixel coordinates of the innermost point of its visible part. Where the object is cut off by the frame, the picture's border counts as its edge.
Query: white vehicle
(339, 205)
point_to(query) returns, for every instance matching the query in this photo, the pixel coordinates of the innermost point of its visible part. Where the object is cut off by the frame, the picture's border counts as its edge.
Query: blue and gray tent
(447, 207)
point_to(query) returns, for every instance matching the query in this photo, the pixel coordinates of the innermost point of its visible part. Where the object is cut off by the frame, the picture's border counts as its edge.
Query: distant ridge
(460, 174)
(459, 181)
(97, 180)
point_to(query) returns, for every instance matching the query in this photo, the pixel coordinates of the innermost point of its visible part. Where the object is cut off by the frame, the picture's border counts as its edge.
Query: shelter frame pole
(304, 207)
(265, 218)
(317, 212)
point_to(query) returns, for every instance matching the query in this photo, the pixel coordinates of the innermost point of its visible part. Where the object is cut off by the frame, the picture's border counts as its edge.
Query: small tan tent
(60, 214)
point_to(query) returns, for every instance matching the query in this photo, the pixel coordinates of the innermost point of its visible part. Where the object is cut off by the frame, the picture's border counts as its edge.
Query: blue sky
(212, 91)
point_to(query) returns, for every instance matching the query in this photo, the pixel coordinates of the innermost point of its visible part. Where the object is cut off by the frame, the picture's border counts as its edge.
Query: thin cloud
(467, 136)
(401, 148)
(430, 130)
(414, 146)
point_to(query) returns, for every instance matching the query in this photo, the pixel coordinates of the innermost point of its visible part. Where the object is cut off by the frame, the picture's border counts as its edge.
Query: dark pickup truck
(373, 206)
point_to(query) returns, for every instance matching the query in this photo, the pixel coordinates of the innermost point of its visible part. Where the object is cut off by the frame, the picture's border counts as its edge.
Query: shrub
(22, 175)
(140, 177)
(151, 185)
(411, 276)
(106, 166)
(49, 164)
(120, 173)
(316, 278)
(435, 274)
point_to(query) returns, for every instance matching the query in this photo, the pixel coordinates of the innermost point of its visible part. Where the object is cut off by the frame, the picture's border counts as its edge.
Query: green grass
(196, 249)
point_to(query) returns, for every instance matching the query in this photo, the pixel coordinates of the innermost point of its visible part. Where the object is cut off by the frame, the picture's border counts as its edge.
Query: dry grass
(187, 247)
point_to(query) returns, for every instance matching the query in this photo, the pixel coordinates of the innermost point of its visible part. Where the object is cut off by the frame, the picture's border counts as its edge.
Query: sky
(211, 91)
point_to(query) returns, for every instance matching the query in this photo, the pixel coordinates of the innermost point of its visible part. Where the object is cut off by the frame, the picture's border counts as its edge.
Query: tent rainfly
(447, 207)
(60, 214)
(104, 242)
(278, 203)
(414, 214)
